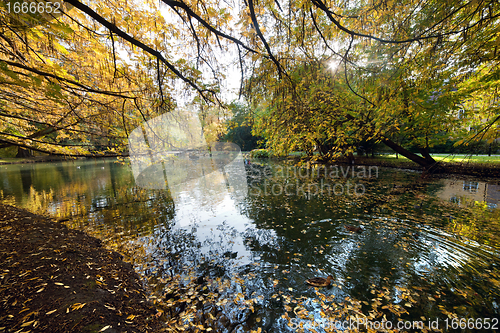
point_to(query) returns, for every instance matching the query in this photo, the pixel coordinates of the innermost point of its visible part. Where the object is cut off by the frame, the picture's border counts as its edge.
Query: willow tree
(77, 83)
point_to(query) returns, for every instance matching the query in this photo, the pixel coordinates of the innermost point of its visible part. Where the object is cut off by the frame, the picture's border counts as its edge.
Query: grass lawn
(13, 160)
(467, 158)
(459, 158)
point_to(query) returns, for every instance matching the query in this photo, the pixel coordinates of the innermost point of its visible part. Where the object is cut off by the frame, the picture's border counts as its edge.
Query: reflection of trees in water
(26, 179)
(403, 246)
(93, 195)
(171, 252)
(192, 276)
(293, 238)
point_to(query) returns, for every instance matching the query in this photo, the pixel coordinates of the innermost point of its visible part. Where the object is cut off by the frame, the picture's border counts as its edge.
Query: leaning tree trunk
(427, 162)
(425, 154)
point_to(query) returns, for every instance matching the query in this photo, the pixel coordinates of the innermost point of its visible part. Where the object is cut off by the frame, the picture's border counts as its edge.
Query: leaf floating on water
(27, 323)
(23, 274)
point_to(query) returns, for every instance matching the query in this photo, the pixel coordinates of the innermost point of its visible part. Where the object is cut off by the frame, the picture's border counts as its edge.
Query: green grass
(467, 158)
(459, 158)
(13, 160)
(391, 157)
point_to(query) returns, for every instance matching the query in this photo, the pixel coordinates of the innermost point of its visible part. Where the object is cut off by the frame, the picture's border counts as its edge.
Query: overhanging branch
(113, 28)
(261, 36)
(45, 74)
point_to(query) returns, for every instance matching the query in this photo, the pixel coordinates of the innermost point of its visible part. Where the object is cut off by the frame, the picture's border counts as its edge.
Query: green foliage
(239, 128)
(260, 153)
(409, 92)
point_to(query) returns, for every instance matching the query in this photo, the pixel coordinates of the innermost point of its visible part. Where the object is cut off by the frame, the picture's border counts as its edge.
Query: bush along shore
(55, 279)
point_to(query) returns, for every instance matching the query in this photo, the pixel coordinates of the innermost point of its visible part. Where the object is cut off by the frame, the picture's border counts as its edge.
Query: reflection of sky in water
(207, 206)
(440, 250)
(343, 250)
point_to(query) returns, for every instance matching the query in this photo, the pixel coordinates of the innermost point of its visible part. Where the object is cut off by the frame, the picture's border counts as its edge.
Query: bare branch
(191, 13)
(419, 37)
(261, 36)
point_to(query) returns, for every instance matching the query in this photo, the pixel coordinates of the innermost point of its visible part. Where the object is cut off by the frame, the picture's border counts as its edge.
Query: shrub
(260, 153)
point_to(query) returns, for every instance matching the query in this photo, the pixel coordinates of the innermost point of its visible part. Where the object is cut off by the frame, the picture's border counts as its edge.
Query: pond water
(256, 230)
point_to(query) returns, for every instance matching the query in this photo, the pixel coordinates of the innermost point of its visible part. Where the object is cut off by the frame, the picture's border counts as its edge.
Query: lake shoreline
(57, 279)
(36, 159)
(446, 169)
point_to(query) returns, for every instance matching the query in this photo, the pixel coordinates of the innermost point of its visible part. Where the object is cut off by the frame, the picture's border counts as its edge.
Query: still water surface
(428, 245)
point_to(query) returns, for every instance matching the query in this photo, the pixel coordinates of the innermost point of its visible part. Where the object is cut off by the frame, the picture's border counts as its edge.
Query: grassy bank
(473, 165)
(34, 159)
(480, 166)
(449, 158)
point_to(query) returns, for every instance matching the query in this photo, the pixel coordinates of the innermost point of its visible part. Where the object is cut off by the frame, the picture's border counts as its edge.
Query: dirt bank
(55, 279)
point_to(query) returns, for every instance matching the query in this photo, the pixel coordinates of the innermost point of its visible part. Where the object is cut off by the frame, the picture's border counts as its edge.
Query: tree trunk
(23, 153)
(425, 154)
(322, 148)
(426, 162)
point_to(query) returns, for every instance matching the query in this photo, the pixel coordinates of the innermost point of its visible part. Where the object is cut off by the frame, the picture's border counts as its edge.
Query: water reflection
(415, 241)
(466, 190)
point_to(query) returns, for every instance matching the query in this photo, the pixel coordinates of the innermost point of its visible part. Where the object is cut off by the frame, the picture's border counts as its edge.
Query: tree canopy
(317, 74)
